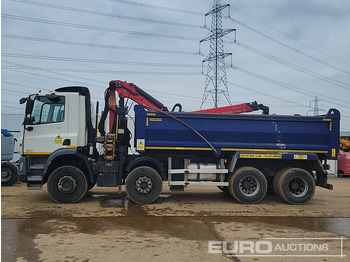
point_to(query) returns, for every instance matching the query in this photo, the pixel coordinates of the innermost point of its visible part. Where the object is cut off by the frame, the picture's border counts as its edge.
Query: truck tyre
(275, 179)
(9, 174)
(247, 185)
(67, 184)
(143, 185)
(296, 186)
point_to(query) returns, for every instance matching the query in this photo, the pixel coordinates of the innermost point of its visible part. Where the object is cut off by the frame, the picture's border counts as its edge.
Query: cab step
(35, 182)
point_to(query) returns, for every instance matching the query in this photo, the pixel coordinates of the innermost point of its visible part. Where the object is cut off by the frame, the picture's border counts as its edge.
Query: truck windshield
(47, 111)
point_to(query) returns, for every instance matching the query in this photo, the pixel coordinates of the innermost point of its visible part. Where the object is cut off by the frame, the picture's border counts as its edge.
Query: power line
(112, 15)
(97, 28)
(300, 69)
(164, 94)
(268, 95)
(290, 37)
(13, 91)
(158, 7)
(286, 86)
(65, 42)
(201, 14)
(150, 6)
(22, 92)
(295, 67)
(56, 78)
(61, 79)
(71, 81)
(99, 61)
(96, 71)
(72, 59)
(15, 107)
(289, 47)
(26, 86)
(278, 98)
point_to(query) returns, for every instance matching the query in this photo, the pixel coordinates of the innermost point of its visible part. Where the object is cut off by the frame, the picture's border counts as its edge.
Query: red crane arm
(233, 109)
(237, 109)
(133, 92)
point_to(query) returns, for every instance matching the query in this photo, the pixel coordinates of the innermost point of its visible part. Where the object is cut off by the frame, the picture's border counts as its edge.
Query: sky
(285, 53)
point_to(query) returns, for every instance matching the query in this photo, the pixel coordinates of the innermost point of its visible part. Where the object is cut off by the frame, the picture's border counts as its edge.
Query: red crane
(133, 92)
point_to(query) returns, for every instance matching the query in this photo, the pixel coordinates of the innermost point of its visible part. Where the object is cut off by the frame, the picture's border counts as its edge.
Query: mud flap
(321, 180)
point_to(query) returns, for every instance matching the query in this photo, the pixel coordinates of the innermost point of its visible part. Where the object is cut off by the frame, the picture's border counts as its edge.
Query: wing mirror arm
(27, 121)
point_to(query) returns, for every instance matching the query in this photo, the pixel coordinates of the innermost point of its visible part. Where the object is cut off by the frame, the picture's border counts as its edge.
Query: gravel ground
(179, 226)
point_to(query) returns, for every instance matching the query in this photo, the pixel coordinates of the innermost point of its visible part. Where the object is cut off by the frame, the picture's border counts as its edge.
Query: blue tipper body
(241, 132)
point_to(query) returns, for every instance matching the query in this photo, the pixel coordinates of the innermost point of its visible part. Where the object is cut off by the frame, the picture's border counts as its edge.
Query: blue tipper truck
(241, 154)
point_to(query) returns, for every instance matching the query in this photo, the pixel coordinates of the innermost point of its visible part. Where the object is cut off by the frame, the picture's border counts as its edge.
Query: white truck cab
(56, 129)
(47, 127)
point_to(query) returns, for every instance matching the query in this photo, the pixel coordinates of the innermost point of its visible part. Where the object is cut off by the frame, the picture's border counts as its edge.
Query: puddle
(336, 225)
(164, 196)
(128, 207)
(121, 202)
(18, 235)
(98, 195)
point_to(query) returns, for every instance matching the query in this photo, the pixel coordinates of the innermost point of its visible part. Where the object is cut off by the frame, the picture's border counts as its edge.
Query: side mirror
(29, 106)
(22, 100)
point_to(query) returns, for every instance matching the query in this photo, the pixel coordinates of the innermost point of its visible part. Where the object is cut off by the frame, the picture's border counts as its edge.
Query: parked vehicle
(9, 171)
(345, 143)
(239, 153)
(344, 164)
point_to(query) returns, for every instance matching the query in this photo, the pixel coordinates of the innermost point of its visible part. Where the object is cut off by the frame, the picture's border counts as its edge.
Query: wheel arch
(70, 156)
(146, 161)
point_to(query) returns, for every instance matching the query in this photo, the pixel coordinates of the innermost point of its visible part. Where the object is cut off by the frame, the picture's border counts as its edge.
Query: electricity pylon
(216, 80)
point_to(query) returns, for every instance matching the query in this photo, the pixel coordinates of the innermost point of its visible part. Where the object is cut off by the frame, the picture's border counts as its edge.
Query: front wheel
(247, 185)
(143, 185)
(9, 174)
(67, 184)
(296, 186)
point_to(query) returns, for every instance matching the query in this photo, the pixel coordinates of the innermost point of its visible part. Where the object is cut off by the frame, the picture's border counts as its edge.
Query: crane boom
(135, 93)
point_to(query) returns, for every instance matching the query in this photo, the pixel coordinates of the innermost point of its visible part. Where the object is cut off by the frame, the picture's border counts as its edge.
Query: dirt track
(105, 226)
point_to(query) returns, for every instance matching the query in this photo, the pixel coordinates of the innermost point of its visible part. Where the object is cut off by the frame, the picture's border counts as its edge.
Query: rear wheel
(247, 185)
(143, 185)
(67, 184)
(9, 174)
(296, 186)
(275, 179)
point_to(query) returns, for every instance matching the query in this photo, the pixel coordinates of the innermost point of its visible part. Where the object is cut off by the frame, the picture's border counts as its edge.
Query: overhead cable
(97, 28)
(111, 15)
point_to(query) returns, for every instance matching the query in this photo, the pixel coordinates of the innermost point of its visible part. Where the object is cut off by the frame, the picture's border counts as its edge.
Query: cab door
(47, 126)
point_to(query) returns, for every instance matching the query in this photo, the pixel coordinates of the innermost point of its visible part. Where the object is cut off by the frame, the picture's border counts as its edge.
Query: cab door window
(46, 111)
